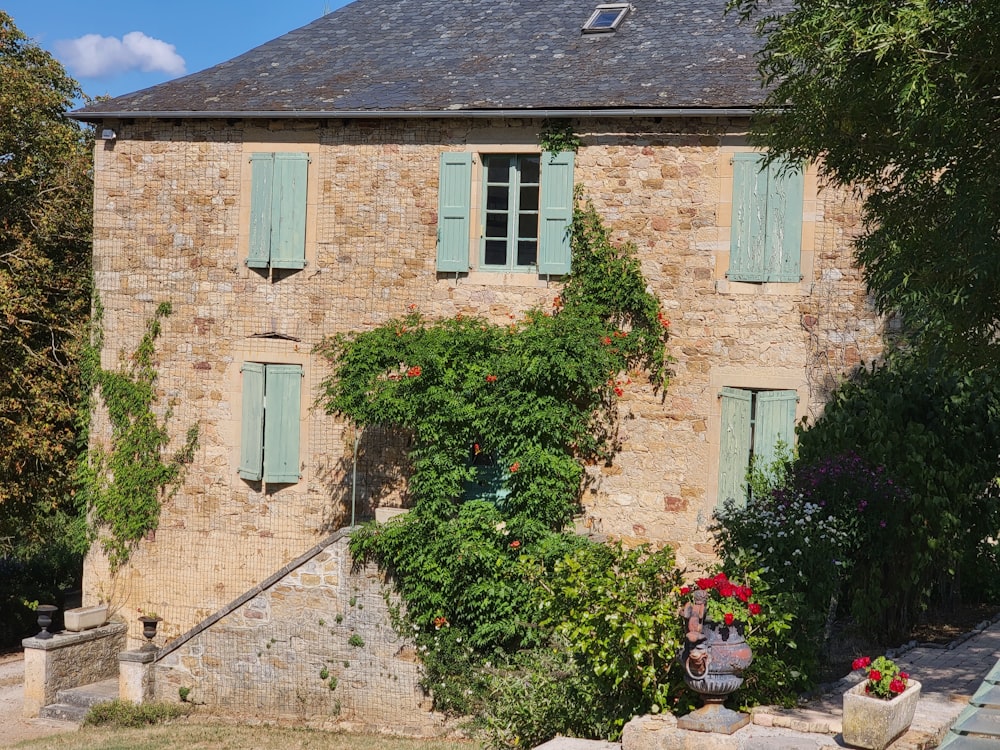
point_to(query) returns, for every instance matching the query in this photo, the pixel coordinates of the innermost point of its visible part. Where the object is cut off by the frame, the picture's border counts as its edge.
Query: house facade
(388, 157)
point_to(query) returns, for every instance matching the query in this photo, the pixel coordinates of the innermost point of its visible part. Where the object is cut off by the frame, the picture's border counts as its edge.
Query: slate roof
(399, 57)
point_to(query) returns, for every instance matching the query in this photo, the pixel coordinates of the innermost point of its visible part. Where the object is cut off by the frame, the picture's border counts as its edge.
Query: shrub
(128, 715)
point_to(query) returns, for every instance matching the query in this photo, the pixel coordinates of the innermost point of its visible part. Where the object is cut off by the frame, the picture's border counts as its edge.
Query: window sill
(767, 288)
(494, 278)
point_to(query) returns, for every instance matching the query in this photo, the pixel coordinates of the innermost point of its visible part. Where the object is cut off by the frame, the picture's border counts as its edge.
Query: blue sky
(118, 46)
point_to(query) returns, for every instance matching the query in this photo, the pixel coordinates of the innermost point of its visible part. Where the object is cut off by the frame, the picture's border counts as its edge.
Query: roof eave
(85, 116)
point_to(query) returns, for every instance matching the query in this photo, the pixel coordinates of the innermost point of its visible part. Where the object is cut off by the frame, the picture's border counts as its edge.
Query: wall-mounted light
(107, 134)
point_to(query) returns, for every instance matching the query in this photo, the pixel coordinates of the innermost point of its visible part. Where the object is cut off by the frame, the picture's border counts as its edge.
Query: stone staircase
(72, 704)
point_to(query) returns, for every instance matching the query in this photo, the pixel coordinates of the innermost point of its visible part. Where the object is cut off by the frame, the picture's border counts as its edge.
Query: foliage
(121, 487)
(843, 532)
(126, 714)
(501, 419)
(616, 611)
(898, 100)
(885, 680)
(558, 136)
(45, 224)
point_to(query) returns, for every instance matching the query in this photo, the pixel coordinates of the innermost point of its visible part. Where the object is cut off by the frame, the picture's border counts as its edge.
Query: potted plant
(880, 708)
(715, 653)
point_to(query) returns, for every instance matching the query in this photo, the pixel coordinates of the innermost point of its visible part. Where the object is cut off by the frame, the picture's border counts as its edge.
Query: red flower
(728, 618)
(705, 583)
(515, 544)
(476, 449)
(904, 676)
(685, 590)
(663, 320)
(874, 675)
(861, 662)
(439, 622)
(515, 466)
(491, 378)
(606, 341)
(726, 589)
(754, 608)
(897, 686)
(413, 371)
(618, 391)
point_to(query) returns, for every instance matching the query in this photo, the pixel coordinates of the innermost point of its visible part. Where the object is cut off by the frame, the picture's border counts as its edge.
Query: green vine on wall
(558, 136)
(123, 485)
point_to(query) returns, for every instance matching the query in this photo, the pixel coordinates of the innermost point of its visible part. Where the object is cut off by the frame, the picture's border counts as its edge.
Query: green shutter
(556, 213)
(454, 211)
(774, 420)
(784, 222)
(288, 210)
(749, 219)
(252, 422)
(282, 399)
(261, 180)
(488, 484)
(734, 445)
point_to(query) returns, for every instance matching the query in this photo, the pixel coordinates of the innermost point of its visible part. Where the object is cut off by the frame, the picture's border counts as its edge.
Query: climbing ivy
(557, 136)
(122, 486)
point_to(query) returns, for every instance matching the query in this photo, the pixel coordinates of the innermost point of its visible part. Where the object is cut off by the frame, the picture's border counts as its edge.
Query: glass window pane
(496, 253)
(527, 226)
(497, 197)
(529, 199)
(496, 225)
(527, 252)
(498, 169)
(530, 166)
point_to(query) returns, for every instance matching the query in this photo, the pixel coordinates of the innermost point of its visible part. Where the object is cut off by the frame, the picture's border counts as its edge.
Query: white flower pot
(85, 618)
(872, 723)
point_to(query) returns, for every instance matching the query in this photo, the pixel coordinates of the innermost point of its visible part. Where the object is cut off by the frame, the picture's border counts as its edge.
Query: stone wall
(69, 660)
(314, 645)
(171, 218)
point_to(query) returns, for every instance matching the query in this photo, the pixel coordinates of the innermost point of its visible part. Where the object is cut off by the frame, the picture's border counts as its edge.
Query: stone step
(86, 696)
(72, 704)
(64, 712)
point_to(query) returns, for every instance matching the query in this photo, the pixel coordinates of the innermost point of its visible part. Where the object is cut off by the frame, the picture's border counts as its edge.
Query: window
(490, 481)
(278, 210)
(606, 18)
(753, 423)
(767, 220)
(527, 207)
(269, 445)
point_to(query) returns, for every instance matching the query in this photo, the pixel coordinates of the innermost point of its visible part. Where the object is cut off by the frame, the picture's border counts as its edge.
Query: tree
(45, 224)
(898, 99)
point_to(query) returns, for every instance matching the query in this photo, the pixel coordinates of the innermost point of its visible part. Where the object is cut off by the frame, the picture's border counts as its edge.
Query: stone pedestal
(68, 660)
(714, 717)
(135, 675)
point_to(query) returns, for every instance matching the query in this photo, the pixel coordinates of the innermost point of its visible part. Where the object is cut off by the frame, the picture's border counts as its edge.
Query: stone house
(388, 155)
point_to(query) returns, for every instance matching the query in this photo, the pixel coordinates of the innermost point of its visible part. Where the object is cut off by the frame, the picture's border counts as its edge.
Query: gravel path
(13, 727)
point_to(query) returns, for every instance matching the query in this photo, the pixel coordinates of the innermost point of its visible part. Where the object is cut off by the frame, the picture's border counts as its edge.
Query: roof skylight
(606, 18)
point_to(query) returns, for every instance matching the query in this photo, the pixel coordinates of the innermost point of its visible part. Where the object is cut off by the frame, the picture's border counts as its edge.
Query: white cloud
(96, 56)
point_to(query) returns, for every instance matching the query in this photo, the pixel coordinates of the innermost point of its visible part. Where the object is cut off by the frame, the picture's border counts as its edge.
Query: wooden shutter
(749, 219)
(774, 420)
(261, 182)
(282, 399)
(252, 422)
(734, 445)
(454, 210)
(556, 213)
(488, 484)
(783, 239)
(288, 210)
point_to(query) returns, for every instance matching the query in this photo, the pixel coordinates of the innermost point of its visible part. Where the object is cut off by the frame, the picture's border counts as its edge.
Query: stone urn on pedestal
(714, 656)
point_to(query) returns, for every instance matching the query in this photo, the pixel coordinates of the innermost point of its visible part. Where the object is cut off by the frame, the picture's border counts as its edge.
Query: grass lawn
(186, 735)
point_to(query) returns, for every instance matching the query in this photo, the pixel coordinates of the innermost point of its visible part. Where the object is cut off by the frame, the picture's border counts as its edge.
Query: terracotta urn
(872, 723)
